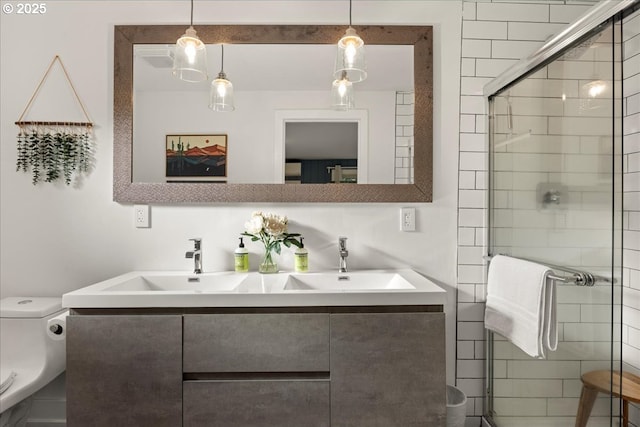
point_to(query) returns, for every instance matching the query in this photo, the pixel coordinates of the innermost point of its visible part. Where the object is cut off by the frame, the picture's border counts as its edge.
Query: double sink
(231, 289)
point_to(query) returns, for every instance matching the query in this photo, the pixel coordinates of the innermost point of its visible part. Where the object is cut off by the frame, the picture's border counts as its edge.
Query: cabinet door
(388, 370)
(256, 343)
(124, 371)
(301, 403)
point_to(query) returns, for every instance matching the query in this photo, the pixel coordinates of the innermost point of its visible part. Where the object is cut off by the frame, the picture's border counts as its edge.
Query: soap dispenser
(241, 256)
(301, 257)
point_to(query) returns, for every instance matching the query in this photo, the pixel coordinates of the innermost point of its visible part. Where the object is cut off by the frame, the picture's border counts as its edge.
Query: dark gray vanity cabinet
(257, 367)
(124, 371)
(388, 370)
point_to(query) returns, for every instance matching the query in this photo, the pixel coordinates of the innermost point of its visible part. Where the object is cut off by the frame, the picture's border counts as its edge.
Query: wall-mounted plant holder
(52, 150)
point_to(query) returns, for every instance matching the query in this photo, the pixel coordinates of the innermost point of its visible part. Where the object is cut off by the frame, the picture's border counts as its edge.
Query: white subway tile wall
(404, 137)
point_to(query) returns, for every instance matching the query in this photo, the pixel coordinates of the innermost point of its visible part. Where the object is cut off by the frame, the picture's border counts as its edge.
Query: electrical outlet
(141, 216)
(408, 219)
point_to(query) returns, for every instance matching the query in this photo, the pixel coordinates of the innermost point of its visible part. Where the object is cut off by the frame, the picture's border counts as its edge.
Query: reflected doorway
(321, 152)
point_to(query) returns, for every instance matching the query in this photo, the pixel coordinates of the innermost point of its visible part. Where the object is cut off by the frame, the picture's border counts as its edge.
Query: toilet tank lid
(29, 307)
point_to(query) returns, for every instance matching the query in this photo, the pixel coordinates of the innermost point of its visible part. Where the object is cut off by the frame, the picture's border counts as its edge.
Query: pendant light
(350, 55)
(190, 60)
(221, 93)
(342, 93)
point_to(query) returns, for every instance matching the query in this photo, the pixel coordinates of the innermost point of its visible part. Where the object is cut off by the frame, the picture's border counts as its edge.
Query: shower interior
(556, 137)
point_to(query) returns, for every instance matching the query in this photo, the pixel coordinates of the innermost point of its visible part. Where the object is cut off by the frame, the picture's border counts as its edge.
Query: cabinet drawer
(256, 343)
(256, 403)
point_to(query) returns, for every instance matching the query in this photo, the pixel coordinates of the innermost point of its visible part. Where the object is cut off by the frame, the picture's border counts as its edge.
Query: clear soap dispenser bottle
(301, 258)
(241, 256)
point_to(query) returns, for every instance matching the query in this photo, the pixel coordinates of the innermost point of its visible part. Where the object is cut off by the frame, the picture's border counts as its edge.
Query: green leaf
(296, 243)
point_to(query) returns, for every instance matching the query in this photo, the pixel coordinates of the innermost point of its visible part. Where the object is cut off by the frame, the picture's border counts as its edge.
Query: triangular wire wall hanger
(35, 94)
(54, 149)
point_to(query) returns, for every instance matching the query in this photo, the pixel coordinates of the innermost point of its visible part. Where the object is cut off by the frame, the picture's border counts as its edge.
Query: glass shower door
(555, 194)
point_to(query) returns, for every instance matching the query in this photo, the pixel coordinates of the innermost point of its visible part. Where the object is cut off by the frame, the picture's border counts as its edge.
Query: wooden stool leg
(625, 413)
(587, 399)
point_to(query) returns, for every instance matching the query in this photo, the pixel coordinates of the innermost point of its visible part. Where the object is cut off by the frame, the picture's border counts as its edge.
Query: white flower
(271, 230)
(275, 225)
(255, 224)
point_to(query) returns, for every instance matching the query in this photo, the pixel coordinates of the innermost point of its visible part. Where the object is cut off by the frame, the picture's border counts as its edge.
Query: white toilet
(30, 357)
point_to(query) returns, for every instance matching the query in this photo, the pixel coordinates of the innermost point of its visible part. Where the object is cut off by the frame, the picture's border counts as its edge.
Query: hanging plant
(54, 150)
(51, 155)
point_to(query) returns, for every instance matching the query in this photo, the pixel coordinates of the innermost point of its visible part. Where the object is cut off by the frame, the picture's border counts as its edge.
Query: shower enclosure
(556, 131)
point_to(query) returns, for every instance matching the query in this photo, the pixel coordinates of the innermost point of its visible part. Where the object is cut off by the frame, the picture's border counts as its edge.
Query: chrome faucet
(196, 254)
(344, 253)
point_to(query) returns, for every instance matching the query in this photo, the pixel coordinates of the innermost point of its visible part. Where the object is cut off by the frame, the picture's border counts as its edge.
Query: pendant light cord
(222, 59)
(350, 5)
(191, 13)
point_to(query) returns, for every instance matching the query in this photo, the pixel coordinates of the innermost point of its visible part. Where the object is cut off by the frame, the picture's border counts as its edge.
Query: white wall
(56, 238)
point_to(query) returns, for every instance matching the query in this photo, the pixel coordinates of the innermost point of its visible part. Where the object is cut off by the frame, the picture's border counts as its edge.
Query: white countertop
(145, 289)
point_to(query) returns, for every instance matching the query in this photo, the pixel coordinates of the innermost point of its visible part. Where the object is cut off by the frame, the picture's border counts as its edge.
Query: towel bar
(578, 278)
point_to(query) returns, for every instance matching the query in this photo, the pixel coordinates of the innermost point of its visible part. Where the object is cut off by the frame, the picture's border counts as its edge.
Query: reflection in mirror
(321, 152)
(164, 105)
(255, 145)
(332, 136)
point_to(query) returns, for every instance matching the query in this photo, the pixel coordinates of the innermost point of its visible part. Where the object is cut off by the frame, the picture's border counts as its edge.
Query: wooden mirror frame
(126, 191)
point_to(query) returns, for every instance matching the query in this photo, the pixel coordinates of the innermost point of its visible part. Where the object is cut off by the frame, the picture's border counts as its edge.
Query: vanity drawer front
(288, 342)
(256, 403)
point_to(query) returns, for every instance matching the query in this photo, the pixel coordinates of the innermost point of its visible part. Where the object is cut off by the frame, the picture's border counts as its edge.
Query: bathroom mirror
(130, 121)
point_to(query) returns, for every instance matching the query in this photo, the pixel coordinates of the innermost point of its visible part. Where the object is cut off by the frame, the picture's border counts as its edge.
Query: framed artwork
(196, 157)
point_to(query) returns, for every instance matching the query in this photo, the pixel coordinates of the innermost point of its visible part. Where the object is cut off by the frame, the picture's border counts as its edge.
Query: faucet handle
(196, 241)
(342, 243)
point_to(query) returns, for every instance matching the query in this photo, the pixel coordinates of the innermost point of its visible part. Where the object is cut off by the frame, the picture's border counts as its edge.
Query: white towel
(6, 379)
(521, 304)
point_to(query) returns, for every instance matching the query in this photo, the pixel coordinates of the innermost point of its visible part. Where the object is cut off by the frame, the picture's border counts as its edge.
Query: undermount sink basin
(346, 282)
(180, 282)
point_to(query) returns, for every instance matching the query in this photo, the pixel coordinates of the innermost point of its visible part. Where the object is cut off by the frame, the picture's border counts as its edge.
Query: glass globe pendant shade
(190, 60)
(342, 94)
(350, 57)
(221, 94)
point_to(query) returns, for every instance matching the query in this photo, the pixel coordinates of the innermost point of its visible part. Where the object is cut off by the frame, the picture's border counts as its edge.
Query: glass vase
(268, 265)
